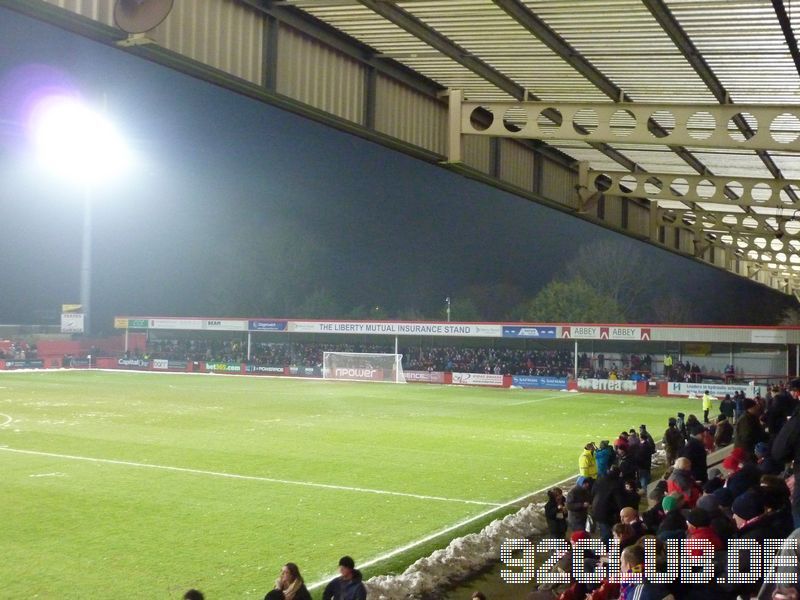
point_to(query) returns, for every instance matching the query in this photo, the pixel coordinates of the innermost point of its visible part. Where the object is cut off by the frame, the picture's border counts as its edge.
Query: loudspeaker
(138, 16)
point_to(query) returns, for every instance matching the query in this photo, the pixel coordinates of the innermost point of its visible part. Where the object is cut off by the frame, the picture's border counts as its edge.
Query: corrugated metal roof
(668, 51)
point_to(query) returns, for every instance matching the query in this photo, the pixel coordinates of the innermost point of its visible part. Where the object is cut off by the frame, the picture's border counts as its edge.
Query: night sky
(238, 208)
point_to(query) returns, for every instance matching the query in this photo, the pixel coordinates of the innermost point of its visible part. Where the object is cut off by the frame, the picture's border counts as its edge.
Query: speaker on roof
(138, 16)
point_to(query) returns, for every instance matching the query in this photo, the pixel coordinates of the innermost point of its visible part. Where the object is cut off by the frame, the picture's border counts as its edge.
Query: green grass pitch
(143, 485)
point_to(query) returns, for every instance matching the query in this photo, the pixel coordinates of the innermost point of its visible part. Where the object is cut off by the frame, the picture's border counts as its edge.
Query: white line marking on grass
(532, 400)
(248, 477)
(441, 532)
(7, 420)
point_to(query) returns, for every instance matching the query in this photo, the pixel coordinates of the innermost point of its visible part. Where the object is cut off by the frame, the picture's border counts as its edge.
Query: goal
(363, 366)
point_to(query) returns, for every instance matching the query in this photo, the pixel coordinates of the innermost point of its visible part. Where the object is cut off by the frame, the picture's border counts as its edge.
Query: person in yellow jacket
(706, 405)
(587, 466)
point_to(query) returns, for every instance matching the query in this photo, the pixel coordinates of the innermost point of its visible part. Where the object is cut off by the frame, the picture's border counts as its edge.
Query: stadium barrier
(679, 388)
(609, 386)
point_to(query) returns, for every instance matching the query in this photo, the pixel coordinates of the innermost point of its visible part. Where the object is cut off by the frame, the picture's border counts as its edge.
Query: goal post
(363, 366)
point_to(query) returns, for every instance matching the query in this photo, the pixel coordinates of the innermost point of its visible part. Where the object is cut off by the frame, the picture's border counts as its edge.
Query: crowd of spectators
(17, 350)
(752, 496)
(499, 361)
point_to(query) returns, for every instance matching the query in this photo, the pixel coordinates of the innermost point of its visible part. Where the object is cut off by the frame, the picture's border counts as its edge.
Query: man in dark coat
(579, 499)
(695, 451)
(781, 408)
(785, 448)
(673, 441)
(606, 502)
(348, 586)
(748, 428)
(723, 436)
(727, 407)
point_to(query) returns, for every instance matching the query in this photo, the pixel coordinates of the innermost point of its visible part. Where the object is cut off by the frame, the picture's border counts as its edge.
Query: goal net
(363, 366)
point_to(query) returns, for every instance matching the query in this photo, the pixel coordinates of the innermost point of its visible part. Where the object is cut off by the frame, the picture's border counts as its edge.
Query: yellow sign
(71, 308)
(697, 349)
(120, 323)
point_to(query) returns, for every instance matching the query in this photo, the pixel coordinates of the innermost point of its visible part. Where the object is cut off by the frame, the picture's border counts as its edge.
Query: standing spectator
(348, 586)
(578, 503)
(644, 457)
(786, 448)
(748, 428)
(738, 403)
(673, 441)
(555, 511)
(627, 465)
(604, 457)
(781, 407)
(724, 433)
(695, 451)
(727, 407)
(587, 466)
(607, 502)
(706, 406)
(291, 583)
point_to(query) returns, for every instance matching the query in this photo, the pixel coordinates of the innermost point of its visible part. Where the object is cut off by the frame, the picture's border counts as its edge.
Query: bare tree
(619, 270)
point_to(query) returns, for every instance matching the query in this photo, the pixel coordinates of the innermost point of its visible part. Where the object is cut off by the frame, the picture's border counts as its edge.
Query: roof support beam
(788, 32)
(752, 191)
(663, 15)
(408, 22)
(699, 125)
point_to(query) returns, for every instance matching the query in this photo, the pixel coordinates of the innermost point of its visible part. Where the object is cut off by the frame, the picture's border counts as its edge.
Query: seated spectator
(653, 516)
(699, 528)
(764, 461)
(291, 583)
(632, 563)
(682, 482)
(630, 516)
(673, 525)
(746, 478)
(193, 595)
(734, 461)
(777, 505)
(275, 595)
(348, 586)
(624, 534)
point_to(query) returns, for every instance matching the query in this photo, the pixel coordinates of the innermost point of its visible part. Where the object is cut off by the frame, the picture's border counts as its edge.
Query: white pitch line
(441, 532)
(532, 400)
(7, 421)
(248, 477)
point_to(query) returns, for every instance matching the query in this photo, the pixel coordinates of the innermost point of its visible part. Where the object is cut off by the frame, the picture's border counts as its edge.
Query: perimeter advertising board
(488, 379)
(539, 382)
(389, 328)
(424, 376)
(607, 385)
(675, 388)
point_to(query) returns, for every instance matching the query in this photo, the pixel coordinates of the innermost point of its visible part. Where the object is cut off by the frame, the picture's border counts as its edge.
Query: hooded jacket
(346, 589)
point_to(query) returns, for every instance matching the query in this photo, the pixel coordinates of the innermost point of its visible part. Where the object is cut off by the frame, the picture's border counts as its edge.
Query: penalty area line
(441, 532)
(311, 484)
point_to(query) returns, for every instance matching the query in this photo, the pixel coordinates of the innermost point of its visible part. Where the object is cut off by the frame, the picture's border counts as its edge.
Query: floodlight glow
(76, 142)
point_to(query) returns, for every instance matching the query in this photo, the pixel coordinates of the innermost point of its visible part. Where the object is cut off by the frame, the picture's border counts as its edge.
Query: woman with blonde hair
(291, 583)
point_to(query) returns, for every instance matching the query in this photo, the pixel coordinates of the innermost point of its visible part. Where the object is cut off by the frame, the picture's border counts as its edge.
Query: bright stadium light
(80, 145)
(76, 142)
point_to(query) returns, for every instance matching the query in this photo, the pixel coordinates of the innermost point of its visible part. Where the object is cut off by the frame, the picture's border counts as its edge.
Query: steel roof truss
(776, 127)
